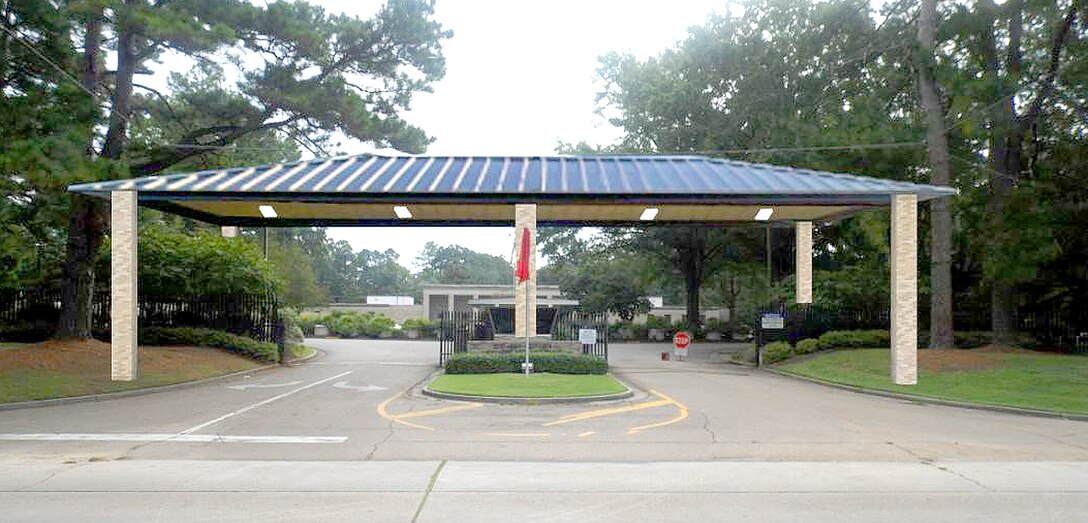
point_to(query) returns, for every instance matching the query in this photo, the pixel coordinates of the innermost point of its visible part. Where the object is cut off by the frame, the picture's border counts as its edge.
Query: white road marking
(260, 403)
(268, 386)
(187, 438)
(360, 388)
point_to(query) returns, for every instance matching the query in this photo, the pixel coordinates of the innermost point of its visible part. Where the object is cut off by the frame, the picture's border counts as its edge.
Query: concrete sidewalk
(183, 490)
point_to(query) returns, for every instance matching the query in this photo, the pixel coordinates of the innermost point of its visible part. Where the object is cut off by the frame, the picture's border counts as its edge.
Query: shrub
(809, 345)
(248, 347)
(776, 351)
(351, 324)
(855, 339)
(554, 362)
(307, 320)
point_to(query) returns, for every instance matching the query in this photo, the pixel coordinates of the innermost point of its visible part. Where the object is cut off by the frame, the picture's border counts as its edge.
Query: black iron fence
(567, 325)
(1061, 328)
(33, 315)
(456, 328)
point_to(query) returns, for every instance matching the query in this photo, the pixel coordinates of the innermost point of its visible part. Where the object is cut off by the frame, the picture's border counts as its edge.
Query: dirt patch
(945, 360)
(93, 356)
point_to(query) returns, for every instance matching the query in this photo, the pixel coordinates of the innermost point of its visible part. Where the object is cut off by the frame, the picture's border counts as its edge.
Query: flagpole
(526, 366)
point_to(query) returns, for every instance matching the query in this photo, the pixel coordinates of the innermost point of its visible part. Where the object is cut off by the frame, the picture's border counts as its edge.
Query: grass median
(57, 369)
(993, 376)
(540, 385)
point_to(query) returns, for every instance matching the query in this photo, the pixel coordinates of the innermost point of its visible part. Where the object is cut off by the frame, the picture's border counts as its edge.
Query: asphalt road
(351, 434)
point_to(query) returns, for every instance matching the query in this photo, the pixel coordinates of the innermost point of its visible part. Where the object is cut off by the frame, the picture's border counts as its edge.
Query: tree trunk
(86, 222)
(940, 322)
(84, 217)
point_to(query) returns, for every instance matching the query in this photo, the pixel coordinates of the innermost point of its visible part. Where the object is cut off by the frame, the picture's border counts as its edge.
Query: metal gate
(568, 323)
(456, 328)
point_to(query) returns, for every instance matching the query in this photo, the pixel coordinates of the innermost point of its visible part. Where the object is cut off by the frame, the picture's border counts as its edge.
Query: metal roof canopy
(480, 190)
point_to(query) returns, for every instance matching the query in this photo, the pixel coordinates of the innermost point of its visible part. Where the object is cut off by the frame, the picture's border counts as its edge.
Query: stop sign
(681, 340)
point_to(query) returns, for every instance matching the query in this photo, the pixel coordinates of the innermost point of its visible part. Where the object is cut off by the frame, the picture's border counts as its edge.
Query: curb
(933, 401)
(530, 401)
(145, 391)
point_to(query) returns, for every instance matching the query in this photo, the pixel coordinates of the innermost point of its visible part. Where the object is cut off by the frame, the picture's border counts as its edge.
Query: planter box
(656, 334)
(412, 334)
(321, 331)
(713, 336)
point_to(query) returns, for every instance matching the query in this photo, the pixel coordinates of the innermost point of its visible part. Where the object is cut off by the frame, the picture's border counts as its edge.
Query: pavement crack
(374, 447)
(959, 475)
(427, 493)
(706, 427)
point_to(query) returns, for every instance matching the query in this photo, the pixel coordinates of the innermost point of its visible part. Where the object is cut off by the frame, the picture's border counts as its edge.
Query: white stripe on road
(259, 404)
(187, 438)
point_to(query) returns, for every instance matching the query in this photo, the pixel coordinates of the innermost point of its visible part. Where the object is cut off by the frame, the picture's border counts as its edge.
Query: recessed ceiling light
(267, 211)
(648, 214)
(402, 212)
(764, 214)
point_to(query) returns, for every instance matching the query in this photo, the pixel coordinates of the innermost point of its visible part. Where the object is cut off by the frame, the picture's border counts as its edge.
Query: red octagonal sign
(681, 340)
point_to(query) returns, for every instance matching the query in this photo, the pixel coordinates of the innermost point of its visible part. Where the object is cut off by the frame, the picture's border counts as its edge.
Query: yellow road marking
(385, 414)
(528, 435)
(443, 410)
(679, 417)
(608, 412)
(587, 433)
(399, 418)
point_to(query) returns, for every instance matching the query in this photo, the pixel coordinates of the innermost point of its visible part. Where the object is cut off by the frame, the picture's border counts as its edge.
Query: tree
(456, 264)
(318, 73)
(940, 210)
(603, 277)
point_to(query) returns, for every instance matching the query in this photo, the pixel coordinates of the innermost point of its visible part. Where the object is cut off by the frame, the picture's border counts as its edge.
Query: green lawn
(300, 351)
(1028, 380)
(541, 385)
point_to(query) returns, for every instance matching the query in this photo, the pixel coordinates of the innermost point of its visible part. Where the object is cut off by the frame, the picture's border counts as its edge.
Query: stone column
(123, 291)
(904, 289)
(803, 273)
(450, 302)
(525, 217)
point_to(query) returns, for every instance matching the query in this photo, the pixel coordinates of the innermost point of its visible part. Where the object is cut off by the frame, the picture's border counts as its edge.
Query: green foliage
(175, 262)
(248, 347)
(418, 323)
(776, 351)
(456, 264)
(553, 362)
(809, 345)
(350, 324)
(855, 339)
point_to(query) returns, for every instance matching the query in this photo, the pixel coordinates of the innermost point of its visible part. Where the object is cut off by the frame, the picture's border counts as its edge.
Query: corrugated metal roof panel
(536, 176)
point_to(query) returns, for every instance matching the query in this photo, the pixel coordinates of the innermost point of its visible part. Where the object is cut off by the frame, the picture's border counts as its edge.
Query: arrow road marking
(257, 386)
(360, 388)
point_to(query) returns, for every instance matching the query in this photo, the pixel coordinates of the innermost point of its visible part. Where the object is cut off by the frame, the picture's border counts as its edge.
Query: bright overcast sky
(520, 76)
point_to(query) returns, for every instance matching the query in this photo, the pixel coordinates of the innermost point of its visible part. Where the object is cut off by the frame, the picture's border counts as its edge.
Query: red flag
(522, 271)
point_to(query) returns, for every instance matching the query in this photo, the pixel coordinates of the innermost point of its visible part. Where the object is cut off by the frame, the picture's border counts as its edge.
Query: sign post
(680, 342)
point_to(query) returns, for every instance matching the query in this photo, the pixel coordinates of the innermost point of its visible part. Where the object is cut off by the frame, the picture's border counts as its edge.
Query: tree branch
(1060, 35)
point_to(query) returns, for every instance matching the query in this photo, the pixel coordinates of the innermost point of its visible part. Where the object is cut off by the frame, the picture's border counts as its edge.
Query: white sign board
(587, 336)
(772, 321)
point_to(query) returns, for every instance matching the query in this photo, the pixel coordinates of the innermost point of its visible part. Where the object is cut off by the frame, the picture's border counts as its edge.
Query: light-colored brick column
(525, 217)
(804, 262)
(904, 289)
(123, 285)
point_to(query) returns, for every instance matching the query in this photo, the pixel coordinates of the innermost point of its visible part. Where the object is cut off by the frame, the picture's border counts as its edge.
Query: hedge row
(241, 345)
(780, 350)
(554, 362)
